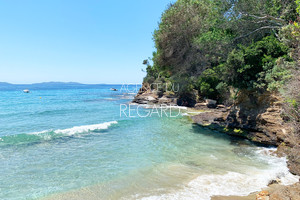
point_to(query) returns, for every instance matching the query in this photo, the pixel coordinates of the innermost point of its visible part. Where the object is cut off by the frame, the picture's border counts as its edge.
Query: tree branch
(263, 18)
(256, 30)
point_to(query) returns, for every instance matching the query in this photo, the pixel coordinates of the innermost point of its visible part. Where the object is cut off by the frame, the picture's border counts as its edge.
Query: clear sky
(87, 41)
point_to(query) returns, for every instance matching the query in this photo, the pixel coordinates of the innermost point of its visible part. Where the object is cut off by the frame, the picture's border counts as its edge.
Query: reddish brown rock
(263, 195)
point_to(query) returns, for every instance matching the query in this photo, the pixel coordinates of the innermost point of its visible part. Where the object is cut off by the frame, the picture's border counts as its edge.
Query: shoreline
(214, 118)
(190, 187)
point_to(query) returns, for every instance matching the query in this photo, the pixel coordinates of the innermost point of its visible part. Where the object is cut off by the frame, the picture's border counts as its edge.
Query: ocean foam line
(78, 129)
(233, 183)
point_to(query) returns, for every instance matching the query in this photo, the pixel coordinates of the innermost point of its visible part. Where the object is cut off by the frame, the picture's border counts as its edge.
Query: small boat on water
(113, 89)
(26, 91)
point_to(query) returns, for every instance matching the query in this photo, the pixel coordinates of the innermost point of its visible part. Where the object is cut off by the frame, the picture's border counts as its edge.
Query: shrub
(257, 66)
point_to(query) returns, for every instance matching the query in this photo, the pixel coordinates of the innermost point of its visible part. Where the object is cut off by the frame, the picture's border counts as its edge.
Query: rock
(211, 103)
(272, 182)
(200, 105)
(167, 100)
(209, 117)
(281, 150)
(291, 192)
(294, 160)
(146, 98)
(150, 98)
(221, 106)
(263, 195)
(260, 114)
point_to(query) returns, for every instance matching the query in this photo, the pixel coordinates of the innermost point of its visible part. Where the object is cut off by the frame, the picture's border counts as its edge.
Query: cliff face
(256, 117)
(261, 115)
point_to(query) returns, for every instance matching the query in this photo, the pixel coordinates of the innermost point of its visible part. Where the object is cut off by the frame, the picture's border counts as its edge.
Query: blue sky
(87, 41)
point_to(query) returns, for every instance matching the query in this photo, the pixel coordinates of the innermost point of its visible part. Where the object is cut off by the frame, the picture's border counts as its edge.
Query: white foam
(232, 183)
(78, 129)
(191, 113)
(161, 105)
(185, 114)
(179, 107)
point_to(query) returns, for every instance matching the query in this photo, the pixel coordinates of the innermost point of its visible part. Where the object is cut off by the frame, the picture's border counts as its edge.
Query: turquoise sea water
(72, 144)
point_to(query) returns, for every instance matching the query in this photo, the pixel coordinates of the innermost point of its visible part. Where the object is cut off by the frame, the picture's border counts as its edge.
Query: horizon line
(69, 82)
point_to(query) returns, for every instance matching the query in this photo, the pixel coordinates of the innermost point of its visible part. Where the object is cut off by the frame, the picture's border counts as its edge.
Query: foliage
(298, 6)
(210, 84)
(290, 35)
(256, 66)
(185, 34)
(207, 83)
(220, 46)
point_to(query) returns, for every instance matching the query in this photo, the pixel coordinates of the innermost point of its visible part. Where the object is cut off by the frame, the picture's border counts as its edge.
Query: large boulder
(211, 103)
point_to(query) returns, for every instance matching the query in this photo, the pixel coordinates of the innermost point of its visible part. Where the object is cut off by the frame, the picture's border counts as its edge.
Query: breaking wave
(37, 137)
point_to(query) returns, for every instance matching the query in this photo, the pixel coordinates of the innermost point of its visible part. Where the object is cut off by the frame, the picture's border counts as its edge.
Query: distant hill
(48, 85)
(56, 83)
(5, 84)
(45, 85)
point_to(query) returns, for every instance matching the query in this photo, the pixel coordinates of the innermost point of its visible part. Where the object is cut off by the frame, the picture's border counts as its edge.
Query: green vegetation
(257, 65)
(218, 48)
(214, 46)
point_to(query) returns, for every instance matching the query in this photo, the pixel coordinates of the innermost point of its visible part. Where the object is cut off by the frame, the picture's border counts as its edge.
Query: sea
(89, 142)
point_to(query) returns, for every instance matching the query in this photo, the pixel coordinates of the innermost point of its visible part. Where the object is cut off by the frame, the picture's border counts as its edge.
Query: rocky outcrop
(261, 116)
(146, 98)
(256, 117)
(291, 192)
(293, 154)
(146, 95)
(149, 95)
(211, 117)
(294, 160)
(152, 98)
